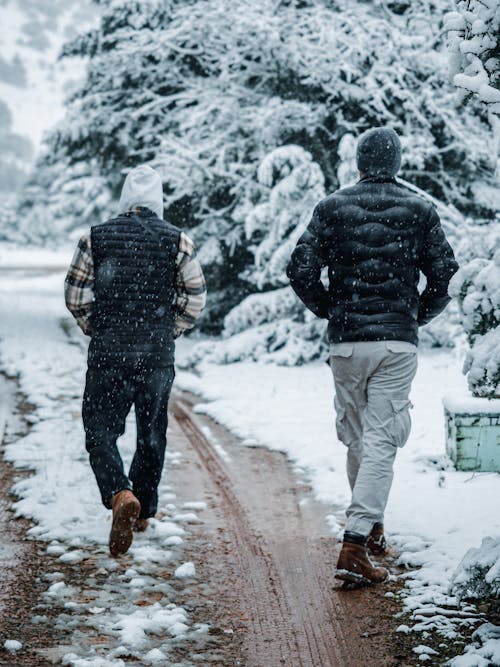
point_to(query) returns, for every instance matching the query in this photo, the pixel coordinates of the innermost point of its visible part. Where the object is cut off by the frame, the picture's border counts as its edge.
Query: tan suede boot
(376, 542)
(355, 567)
(126, 509)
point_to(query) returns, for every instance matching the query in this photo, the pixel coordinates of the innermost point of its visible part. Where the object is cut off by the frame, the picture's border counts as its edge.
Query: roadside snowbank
(14, 257)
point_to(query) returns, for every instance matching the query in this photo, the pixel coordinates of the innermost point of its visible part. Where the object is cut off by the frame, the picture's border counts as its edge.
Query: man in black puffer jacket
(375, 238)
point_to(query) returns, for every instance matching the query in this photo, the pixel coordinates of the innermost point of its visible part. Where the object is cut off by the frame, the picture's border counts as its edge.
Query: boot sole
(121, 535)
(357, 580)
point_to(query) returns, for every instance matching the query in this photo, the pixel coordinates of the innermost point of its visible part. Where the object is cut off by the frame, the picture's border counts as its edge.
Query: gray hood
(142, 187)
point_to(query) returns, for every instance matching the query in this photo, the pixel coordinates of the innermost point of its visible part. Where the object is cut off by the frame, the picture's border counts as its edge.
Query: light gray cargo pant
(372, 383)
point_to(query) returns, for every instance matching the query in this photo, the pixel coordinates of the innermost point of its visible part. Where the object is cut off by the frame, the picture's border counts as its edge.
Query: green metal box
(473, 433)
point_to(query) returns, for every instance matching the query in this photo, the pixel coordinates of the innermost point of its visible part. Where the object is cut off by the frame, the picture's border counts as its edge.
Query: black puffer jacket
(375, 238)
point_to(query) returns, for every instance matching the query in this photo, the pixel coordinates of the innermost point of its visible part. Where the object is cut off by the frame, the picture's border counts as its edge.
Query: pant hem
(360, 526)
(107, 501)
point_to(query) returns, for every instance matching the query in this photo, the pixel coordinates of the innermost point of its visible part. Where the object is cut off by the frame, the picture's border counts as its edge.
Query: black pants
(108, 398)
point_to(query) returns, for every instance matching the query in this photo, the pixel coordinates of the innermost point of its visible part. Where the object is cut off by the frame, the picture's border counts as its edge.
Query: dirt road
(263, 554)
(22, 563)
(265, 549)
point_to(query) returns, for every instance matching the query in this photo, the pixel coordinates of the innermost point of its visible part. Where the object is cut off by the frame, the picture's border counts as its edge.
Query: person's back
(375, 238)
(134, 285)
(134, 290)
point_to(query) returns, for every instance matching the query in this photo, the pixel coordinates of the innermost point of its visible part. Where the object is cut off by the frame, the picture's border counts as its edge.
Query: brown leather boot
(376, 542)
(354, 566)
(141, 525)
(126, 510)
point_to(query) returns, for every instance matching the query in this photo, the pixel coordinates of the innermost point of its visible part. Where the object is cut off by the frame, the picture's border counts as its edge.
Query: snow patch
(12, 645)
(186, 570)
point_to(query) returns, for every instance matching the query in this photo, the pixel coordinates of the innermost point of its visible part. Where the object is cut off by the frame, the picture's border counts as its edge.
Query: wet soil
(23, 562)
(267, 561)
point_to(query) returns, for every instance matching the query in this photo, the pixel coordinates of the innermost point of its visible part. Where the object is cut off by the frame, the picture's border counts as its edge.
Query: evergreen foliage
(478, 575)
(474, 40)
(477, 288)
(274, 325)
(205, 91)
(15, 154)
(295, 184)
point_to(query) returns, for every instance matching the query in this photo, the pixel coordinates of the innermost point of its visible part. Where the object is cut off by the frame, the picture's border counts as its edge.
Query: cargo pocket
(401, 421)
(340, 421)
(341, 350)
(340, 425)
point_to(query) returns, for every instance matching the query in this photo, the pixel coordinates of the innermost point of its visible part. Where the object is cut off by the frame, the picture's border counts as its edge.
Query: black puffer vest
(135, 269)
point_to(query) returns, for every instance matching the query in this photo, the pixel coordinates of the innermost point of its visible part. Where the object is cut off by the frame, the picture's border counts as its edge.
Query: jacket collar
(143, 211)
(378, 178)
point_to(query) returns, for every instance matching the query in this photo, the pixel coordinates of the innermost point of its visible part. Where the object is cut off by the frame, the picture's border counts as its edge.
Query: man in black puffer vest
(134, 285)
(375, 238)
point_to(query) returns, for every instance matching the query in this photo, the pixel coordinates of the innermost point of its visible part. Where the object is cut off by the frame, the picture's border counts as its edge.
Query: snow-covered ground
(14, 257)
(434, 516)
(128, 601)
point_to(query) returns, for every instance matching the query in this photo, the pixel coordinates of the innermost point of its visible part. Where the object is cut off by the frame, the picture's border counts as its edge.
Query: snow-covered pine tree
(273, 325)
(73, 194)
(474, 42)
(204, 91)
(15, 154)
(477, 288)
(295, 184)
(475, 63)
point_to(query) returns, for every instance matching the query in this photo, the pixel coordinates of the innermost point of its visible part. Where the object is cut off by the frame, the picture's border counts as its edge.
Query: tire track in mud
(272, 598)
(275, 544)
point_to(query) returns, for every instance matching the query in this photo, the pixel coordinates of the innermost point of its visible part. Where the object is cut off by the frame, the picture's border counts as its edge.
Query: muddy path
(267, 560)
(23, 563)
(264, 558)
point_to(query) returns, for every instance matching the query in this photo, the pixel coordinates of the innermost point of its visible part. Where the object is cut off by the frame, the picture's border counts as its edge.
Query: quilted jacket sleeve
(437, 263)
(304, 269)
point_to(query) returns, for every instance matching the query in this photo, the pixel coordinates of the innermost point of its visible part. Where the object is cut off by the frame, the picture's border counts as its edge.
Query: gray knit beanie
(379, 152)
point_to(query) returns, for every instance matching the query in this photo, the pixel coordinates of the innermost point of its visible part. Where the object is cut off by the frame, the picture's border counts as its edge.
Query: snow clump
(12, 645)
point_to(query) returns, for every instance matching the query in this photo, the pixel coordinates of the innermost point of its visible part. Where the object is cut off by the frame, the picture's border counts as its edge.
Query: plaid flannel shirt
(190, 285)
